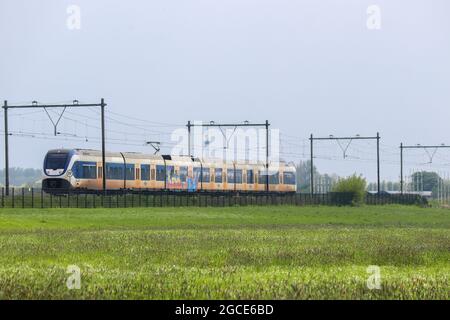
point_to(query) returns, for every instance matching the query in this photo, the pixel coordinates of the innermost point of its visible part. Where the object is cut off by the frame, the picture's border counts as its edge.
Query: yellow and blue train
(81, 170)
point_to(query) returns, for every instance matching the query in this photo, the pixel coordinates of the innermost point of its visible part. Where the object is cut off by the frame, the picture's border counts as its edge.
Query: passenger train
(81, 170)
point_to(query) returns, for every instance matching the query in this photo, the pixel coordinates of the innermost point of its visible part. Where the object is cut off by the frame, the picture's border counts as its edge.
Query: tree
(353, 184)
(425, 180)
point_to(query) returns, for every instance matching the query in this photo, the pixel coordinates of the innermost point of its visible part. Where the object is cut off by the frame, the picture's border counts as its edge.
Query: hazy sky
(307, 66)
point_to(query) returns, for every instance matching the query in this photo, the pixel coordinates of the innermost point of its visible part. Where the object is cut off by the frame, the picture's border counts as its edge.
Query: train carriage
(81, 170)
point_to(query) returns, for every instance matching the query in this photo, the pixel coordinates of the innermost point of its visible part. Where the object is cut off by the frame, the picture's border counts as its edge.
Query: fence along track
(36, 198)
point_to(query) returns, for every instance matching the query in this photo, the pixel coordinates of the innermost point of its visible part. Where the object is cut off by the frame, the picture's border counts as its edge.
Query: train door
(249, 179)
(99, 185)
(190, 178)
(137, 169)
(152, 176)
(244, 179)
(224, 178)
(281, 186)
(212, 184)
(234, 177)
(229, 177)
(218, 178)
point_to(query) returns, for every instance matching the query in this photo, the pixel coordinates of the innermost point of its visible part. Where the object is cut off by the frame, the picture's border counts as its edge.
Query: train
(81, 170)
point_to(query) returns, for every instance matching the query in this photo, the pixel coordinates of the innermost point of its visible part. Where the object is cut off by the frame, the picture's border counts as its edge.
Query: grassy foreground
(226, 253)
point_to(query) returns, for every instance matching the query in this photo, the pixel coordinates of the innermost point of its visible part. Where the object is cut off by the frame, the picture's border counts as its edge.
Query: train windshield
(56, 161)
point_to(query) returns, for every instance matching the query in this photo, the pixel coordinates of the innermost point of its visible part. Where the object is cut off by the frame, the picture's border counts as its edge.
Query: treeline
(418, 181)
(22, 177)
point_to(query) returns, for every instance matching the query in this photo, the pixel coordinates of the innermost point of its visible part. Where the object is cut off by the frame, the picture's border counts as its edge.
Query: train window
(289, 177)
(99, 172)
(230, 175)
(183, 173)
(89, 172)
(274, 178)
(129, 171)
(218, 175)
(56, 161)
(197, 173)
(145, 172)
(206, 175)
(160, 173)
(170, 172)
(114, 171)
(238, 175)
(84, 170)
(250, 177)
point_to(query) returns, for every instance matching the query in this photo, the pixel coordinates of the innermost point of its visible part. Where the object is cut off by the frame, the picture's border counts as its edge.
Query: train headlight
(69, 173)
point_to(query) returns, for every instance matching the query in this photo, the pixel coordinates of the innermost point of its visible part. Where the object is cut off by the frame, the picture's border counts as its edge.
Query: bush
(353, 184)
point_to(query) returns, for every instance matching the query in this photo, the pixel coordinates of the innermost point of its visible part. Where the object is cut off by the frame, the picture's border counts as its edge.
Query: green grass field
(226, 253)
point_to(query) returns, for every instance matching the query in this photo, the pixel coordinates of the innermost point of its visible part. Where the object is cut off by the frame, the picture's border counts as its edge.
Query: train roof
(92, 152)
(138, 155)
